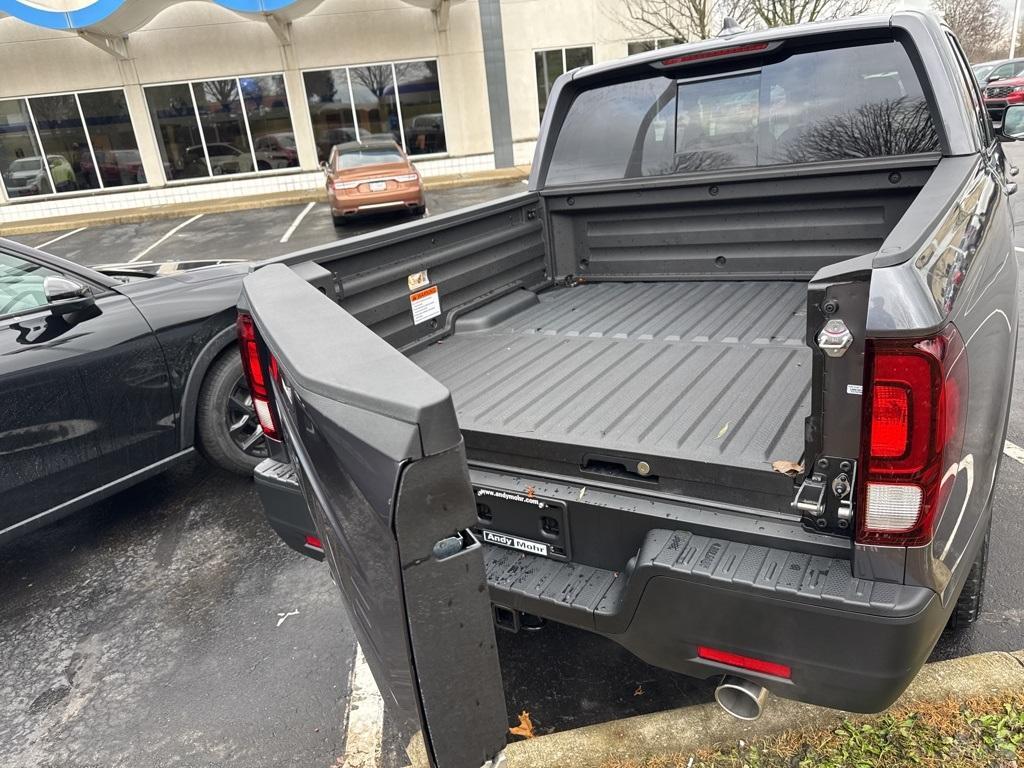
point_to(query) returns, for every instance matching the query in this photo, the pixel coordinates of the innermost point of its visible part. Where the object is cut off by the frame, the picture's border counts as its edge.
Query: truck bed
(705, 371)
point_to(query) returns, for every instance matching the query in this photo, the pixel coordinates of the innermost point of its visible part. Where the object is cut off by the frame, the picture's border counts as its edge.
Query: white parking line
(298, 220)
(1014, 451)
(364, 718)
(173, 231)
(1018, 248)
(61, 237)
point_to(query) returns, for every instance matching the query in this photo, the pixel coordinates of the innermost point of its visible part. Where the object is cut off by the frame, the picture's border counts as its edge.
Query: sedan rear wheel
(230, 435)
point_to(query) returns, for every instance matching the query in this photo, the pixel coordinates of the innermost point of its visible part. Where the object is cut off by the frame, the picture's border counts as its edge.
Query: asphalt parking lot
(255, 234)
(168, 626)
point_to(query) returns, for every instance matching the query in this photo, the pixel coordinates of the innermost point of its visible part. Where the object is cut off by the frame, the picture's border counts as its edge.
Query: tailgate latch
(835, 338)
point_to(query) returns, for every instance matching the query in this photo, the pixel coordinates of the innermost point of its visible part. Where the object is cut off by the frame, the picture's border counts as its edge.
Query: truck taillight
(915, 402)
(258, 387)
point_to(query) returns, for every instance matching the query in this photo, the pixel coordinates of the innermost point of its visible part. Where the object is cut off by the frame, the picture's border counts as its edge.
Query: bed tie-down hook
(835, 338)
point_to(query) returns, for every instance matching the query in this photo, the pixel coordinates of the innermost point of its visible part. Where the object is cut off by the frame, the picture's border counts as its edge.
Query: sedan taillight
(915, 406)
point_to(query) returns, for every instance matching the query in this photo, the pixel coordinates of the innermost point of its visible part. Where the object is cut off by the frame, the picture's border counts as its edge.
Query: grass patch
(976, 733)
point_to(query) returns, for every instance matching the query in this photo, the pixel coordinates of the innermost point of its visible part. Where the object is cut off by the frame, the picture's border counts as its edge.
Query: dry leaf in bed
(525, 727)
(791, 468)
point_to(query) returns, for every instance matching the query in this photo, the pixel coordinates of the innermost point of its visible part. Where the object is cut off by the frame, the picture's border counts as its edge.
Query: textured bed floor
(706, 371)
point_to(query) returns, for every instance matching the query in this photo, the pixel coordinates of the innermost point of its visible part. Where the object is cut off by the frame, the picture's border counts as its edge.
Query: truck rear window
(836, 104)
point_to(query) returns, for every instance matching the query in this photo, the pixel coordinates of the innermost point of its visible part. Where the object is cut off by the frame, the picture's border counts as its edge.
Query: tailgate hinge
(825, 497)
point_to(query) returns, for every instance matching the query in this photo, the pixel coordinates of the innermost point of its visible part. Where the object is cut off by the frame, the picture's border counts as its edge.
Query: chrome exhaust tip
(741, 698)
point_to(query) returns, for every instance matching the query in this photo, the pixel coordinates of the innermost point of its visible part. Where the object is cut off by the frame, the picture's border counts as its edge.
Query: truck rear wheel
(229, 433)
(968, 605)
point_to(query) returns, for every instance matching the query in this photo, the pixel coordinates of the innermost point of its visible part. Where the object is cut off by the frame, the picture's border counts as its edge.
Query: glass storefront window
(87, 140)
(223, 124)
(400, 101)
(116, 150)
(64, 142)
(373, 89)
(420, 97)
(270, 122)
(178, 135)
(330, 109)
(223, 127)
(551, 64)
(21, 160)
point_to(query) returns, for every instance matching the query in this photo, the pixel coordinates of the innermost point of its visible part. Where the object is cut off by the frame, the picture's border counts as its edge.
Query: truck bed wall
(471, 256)
(772, 228)
(772, 224)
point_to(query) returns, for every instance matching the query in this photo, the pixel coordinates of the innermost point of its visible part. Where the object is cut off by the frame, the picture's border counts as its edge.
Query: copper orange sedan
(372, 177)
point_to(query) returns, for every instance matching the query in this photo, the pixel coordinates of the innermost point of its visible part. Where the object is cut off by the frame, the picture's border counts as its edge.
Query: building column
(142, 122)
(302, 124)
(497, 82)
(298, 105)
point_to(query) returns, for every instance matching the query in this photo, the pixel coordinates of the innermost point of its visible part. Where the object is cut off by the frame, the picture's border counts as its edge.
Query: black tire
(222, 431)
(968, 605)
(419, 210)
(339, 221)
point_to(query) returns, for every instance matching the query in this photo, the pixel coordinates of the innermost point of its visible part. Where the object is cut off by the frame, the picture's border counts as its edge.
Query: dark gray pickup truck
(728, 384)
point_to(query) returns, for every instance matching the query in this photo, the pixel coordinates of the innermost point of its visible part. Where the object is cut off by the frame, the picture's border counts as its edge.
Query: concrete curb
(682, 731)
(185, 210)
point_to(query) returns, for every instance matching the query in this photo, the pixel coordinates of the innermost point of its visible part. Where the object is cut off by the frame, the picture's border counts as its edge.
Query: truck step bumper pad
(604, 600)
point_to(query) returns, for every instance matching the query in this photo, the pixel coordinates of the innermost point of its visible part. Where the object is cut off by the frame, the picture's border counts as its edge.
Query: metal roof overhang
(117, 18)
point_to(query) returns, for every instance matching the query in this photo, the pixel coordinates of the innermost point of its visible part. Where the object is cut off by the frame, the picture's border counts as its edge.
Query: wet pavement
(169, 627)
(254, 234)
(144, 631)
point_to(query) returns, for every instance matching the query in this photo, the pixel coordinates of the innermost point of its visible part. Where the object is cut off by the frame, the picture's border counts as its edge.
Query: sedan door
(84, 394)
(381, 463)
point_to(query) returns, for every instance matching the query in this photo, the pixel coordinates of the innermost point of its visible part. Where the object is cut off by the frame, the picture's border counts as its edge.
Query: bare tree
(900, 126)
(981, 26)
(378, 80)
(220, 94)
(685, 20)
(678, 20)
(775, 13)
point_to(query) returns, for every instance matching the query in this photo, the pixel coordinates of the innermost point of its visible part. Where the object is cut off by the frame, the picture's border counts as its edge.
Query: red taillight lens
(258, 387)
(314, 543)
(913, 422)
(890, 409)
(717, 53)
(744, 662)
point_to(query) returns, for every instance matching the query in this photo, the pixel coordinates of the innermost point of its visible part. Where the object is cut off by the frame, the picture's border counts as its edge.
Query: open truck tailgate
(381, 464)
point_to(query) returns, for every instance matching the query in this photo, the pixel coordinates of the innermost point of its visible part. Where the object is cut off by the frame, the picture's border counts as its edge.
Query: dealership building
(119, 104)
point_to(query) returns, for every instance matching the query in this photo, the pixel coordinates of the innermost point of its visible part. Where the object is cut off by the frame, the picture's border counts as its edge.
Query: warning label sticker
(425, 304)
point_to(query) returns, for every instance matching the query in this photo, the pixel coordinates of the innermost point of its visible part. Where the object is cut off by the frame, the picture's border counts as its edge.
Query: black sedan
(110, 376)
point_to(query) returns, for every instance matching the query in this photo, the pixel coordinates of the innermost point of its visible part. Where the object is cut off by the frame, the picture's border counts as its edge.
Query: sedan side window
(21, 284)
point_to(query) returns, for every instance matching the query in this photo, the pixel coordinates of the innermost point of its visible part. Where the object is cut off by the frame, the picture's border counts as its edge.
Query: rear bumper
(851, 643)
(350, 204)
(284, 506)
